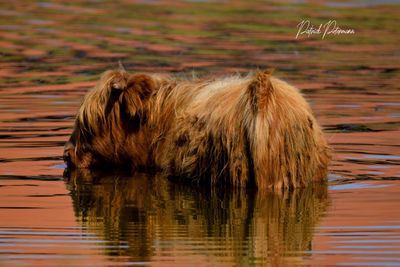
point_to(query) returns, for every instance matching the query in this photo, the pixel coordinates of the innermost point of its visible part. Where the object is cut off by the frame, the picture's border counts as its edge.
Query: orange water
(51, 53)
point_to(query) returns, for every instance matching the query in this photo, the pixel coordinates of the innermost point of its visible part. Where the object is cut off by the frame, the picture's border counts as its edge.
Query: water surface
(52, 52)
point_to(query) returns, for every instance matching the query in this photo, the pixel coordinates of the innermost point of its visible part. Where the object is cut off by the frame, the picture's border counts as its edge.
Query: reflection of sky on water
(50, 57)
(355, 186)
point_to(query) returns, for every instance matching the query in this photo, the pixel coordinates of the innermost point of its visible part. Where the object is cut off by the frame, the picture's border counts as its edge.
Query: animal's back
(242, 130)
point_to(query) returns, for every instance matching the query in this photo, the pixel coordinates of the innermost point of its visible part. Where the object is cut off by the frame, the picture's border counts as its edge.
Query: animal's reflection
(161, 220)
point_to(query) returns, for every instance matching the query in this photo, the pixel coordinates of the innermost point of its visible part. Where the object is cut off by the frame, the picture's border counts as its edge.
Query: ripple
(59, 166)
(378, 167)
(348, 106)
(361, 227)
(355, 186)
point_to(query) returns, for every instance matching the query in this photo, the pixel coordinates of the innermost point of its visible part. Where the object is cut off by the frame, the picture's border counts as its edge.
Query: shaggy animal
(243, 131)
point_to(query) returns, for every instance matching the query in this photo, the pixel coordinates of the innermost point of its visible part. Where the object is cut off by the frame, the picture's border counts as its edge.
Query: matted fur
(244, 131)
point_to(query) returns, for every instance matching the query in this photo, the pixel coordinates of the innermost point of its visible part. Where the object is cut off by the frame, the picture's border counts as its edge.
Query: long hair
(244, 131)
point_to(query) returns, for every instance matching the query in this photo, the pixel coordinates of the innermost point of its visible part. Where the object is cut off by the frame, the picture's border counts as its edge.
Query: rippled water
(51, 53)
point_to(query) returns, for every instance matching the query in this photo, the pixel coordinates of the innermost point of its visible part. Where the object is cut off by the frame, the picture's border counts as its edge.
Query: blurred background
(57, 42)
(53, 52)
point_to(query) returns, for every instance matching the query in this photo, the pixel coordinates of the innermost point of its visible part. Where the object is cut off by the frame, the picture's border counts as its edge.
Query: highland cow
(243, 131)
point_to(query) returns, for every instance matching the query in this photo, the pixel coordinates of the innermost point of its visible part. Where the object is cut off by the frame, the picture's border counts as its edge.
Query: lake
(52, 53)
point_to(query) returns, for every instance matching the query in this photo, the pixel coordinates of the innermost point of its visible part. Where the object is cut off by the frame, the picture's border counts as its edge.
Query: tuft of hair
(108, 115)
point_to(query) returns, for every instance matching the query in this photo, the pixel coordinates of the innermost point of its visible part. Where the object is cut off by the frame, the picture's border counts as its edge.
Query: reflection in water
(164, 221)
(52, 52)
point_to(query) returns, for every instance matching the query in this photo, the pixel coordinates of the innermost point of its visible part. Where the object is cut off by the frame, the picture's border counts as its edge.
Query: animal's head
(110, 117)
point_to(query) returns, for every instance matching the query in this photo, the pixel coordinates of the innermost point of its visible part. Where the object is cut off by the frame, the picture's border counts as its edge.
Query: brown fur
(255, 130)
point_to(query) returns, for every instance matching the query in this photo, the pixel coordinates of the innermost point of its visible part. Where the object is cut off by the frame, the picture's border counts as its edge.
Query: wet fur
(244, 131)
